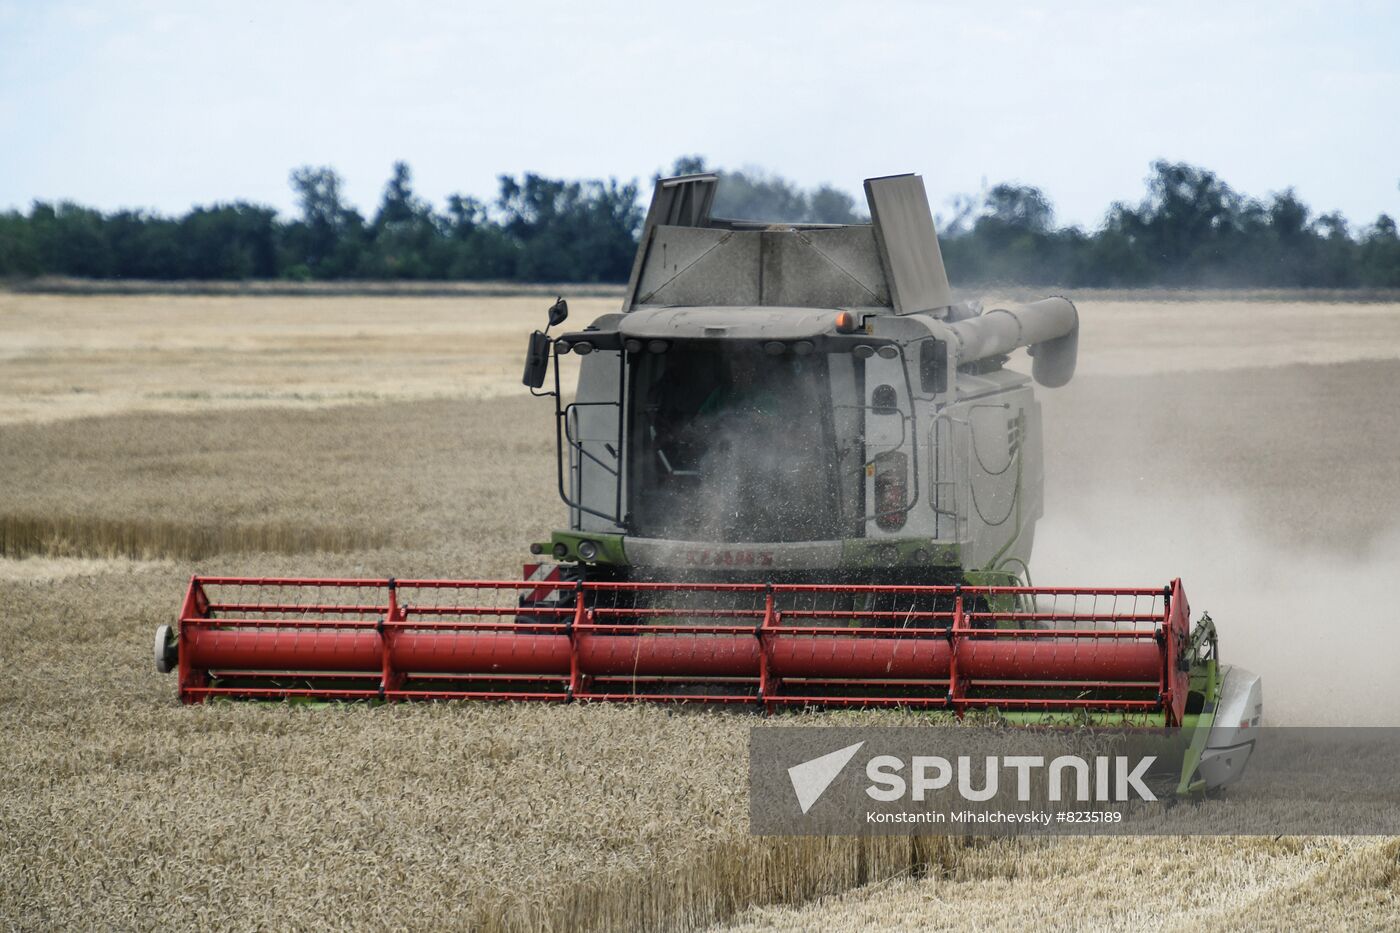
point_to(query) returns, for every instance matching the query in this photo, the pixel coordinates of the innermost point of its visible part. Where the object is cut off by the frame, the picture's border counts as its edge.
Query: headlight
(587, 550)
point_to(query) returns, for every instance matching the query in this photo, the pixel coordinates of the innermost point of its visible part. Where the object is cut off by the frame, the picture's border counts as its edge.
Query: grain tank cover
(686, 257)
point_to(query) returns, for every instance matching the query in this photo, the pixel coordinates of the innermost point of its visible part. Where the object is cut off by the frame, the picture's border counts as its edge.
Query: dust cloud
(1319, 625)
(1272, 492)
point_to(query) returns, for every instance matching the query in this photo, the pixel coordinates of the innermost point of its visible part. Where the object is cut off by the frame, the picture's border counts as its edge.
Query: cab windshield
(731, 444)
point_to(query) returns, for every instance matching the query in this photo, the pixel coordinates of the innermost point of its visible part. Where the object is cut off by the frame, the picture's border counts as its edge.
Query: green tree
(406, 241)
(230, 241)
(1380, 254)
(1019, 209)
(70, 240)
(1337, 258)
(327, 239)
(571, 231)
(828, 205)
(755, 195)
(479, 247)
(18, 254)
(146, 246)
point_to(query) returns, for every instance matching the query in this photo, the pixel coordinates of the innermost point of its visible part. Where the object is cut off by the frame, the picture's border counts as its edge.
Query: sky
(165, 104)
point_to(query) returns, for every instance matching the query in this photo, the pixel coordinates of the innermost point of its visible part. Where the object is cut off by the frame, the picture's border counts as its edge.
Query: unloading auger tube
(1050, 327)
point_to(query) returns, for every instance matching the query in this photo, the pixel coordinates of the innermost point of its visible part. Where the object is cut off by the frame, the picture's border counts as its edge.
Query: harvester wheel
(167, 656)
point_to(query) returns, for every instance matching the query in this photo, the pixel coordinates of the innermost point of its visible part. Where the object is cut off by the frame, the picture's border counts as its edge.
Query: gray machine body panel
(833, 267)
(741, 323)
(1235, 729)
(903, 225)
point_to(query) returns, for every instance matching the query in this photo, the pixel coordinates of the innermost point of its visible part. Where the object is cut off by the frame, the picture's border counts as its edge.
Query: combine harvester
(798, 474)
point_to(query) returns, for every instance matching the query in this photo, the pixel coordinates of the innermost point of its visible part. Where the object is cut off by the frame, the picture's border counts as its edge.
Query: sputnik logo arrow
(811, 778)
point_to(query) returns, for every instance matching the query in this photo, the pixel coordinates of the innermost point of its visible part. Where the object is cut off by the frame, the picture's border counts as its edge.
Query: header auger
(797, 473)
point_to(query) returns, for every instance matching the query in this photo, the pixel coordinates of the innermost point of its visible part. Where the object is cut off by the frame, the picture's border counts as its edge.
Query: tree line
(1189, 229)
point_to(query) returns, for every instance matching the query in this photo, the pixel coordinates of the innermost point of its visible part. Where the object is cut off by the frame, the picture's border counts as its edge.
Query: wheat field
(146, 438)
(1138, 884)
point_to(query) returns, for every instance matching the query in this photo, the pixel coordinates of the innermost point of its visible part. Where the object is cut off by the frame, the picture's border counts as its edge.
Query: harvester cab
(797, 473)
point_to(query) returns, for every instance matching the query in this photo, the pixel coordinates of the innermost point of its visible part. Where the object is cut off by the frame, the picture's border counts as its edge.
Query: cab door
(593, 427)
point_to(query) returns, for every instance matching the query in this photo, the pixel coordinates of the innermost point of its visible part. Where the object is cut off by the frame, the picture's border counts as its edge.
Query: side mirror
(536, 359)
(558, 312)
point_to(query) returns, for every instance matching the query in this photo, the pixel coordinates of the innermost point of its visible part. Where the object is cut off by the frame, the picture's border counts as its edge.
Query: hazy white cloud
(163, 104)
